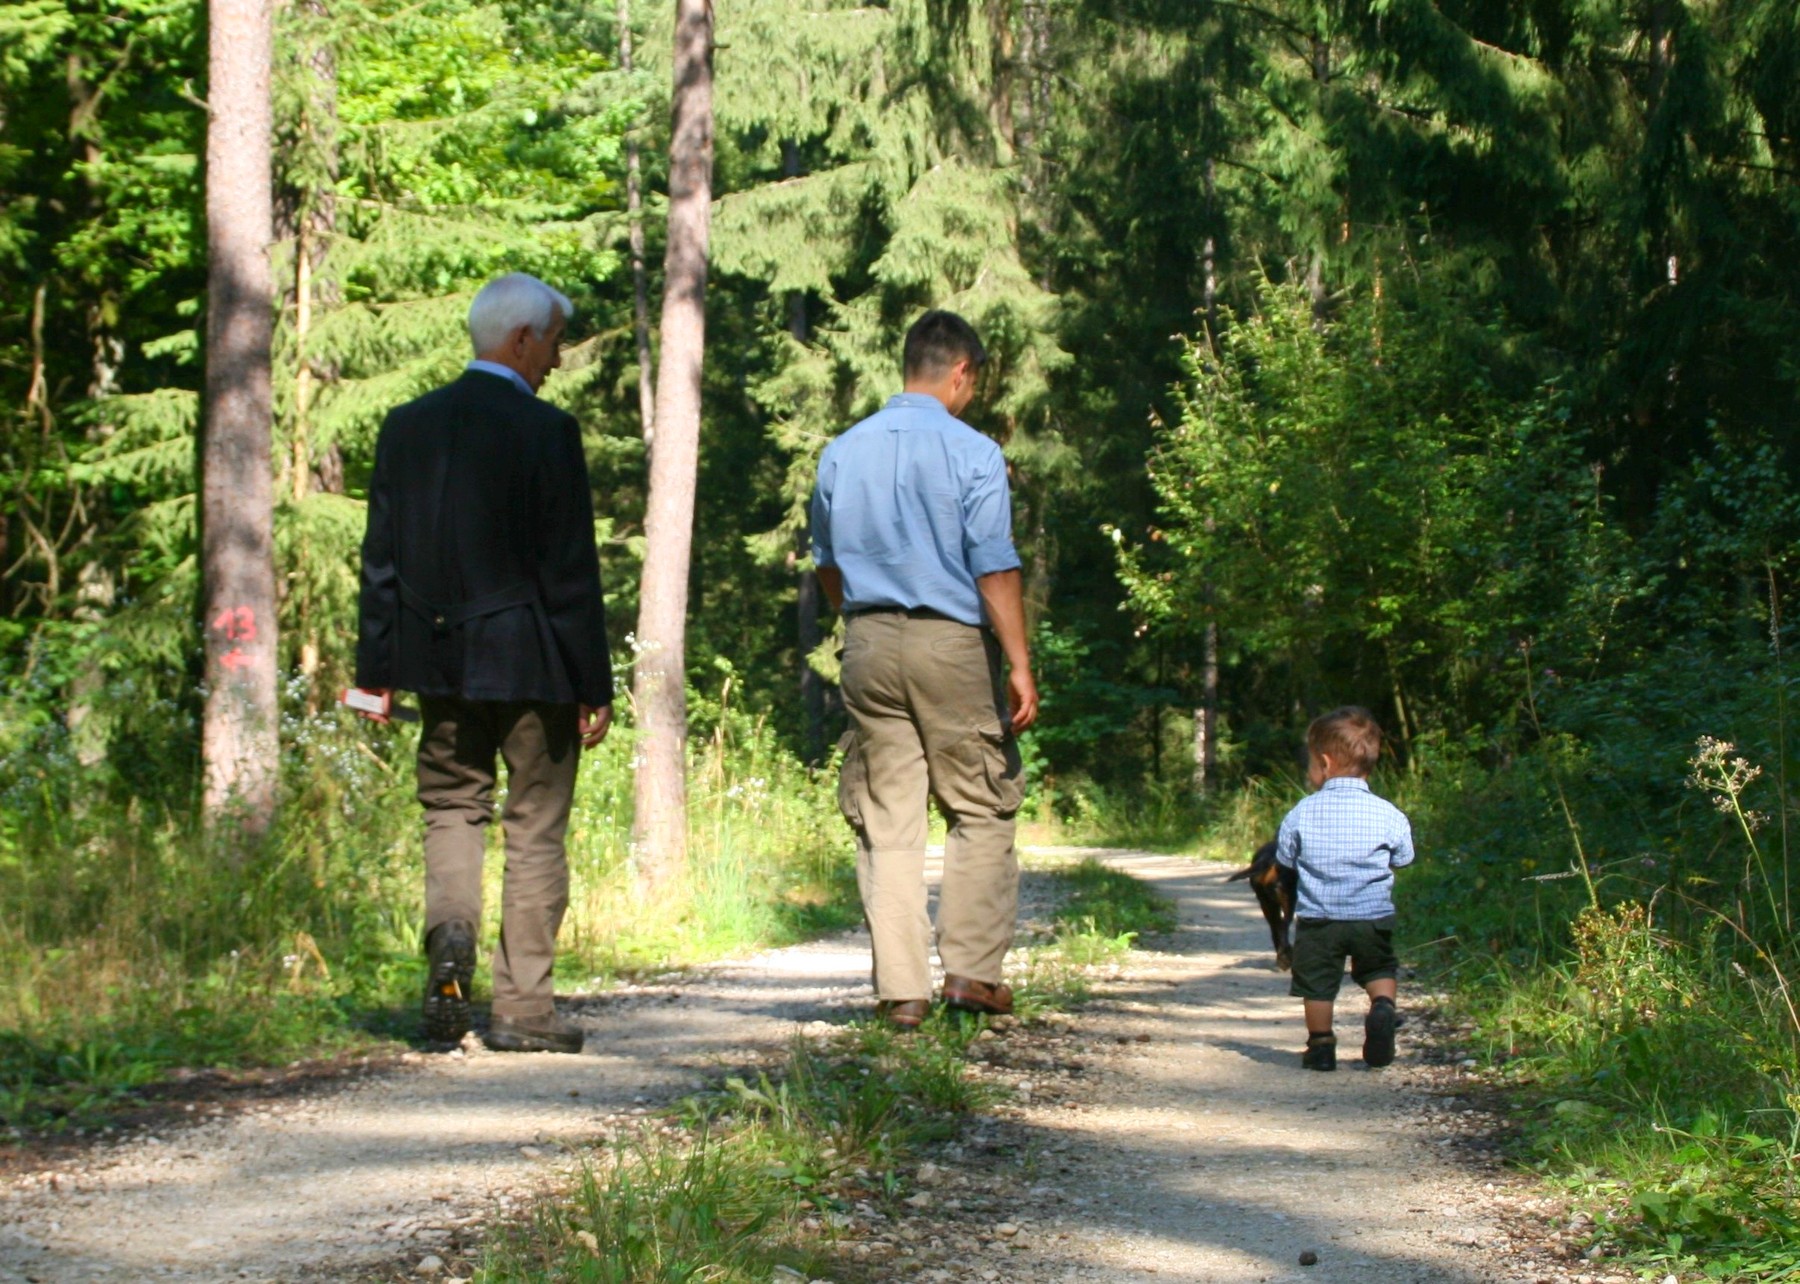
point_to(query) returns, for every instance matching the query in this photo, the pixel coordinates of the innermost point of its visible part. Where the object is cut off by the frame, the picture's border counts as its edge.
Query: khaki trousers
(541, 746)
(928, 718)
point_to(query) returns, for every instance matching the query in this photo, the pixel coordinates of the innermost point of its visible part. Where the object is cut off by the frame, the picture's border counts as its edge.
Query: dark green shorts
(1321, 945)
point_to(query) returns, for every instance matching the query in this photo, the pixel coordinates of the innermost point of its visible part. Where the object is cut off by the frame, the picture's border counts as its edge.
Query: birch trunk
(659, 829)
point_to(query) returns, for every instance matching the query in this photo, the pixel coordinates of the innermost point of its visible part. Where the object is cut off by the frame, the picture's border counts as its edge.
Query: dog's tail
(1242, 874)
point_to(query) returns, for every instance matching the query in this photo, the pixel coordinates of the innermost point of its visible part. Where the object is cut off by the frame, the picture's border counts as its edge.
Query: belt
(910, 612)
(445, 618)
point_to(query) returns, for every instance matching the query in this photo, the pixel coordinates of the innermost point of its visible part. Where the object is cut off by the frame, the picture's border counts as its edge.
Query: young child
(1346, 844)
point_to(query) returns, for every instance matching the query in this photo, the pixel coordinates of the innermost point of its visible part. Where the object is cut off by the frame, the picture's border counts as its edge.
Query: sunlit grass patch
(833, 1128)
(751, 1177)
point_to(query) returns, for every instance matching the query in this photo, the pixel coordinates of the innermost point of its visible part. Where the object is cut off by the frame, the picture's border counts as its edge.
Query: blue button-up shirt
(1346, 843)
(505, 372)
(912, 507)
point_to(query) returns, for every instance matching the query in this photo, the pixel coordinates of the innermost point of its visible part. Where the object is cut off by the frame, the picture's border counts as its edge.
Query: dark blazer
(480, 577)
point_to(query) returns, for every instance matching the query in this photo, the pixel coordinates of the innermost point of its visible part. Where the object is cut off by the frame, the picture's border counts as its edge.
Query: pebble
(531, 1152)
(1309, 1258)
(1006, 1230)
(430, 1266)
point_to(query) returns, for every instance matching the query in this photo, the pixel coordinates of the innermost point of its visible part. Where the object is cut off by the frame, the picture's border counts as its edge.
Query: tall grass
(126, 950)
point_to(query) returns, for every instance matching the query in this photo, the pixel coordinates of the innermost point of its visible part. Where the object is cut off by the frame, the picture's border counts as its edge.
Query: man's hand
(387, 702)
(1003, 594)
(595, 723)
(1021, 690)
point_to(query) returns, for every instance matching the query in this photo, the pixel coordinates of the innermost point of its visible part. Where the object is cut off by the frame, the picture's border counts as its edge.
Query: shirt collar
(1345, 782)
(917, 401)
(504, 372)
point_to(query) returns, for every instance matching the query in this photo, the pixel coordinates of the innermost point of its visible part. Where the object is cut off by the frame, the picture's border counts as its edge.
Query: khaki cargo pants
(541, 745)
(927, 706)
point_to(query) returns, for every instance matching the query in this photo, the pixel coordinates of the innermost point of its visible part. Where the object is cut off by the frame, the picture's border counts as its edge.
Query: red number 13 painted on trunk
(237, 623)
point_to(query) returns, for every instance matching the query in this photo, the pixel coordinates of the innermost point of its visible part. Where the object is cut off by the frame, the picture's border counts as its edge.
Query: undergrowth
(129, 952)
(740, 1182)
(1614, 918)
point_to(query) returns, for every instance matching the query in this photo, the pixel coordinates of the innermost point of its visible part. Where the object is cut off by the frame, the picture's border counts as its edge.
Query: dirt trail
(1207, 1156)
(1189, 1146)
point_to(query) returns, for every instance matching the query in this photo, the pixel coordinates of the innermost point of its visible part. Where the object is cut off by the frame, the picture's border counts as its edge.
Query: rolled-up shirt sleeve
(987, 518)
(820, 512)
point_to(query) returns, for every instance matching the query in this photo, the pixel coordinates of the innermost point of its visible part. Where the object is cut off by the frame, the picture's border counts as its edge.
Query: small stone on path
(430, 1267)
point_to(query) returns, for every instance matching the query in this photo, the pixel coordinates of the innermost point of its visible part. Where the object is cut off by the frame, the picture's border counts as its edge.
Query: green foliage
(1359, 507)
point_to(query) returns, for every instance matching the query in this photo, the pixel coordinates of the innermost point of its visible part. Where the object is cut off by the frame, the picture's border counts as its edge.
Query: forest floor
(1161, 1131)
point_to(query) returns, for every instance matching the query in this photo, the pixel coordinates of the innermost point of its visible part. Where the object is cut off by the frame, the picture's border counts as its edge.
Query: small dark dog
(1274, 885)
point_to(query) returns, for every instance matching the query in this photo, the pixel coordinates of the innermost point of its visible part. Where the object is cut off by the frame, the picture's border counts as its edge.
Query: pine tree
(659, 696)
(239, 726)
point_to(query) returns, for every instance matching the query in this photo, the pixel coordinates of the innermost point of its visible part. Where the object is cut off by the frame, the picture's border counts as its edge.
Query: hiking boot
(450, 949)
(1321, 1052)
(546, 1033)
(1378, 1033)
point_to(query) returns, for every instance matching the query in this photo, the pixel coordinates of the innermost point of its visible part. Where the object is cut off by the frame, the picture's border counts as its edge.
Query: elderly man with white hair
(481, 592)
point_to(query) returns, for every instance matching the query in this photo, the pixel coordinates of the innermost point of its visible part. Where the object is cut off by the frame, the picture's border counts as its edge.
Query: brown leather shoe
(906, 1014)
(967, 995)
(548, 1033)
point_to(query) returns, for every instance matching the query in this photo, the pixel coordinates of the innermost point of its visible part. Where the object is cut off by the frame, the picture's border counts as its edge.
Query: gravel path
(1194, 1149)
(1167, 1133)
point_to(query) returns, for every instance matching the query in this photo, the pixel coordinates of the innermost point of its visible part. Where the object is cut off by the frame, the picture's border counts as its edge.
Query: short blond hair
(1350, 735)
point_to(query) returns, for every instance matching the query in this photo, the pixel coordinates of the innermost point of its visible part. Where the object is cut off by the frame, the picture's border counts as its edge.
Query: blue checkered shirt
(1346, 843)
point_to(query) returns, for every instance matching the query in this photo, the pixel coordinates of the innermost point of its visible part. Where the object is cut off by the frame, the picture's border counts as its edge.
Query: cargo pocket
(853, 780)
(1003, 767)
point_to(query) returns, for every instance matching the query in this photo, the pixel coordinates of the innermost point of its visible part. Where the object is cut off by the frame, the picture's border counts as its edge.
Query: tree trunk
(307, 214)
(1004, 54)
(659, 830)
(634, 216)
(806, 606)
(239, 744)
(1206, 717)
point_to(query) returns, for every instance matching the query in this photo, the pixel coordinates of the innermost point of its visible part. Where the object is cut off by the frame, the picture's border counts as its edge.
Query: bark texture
(659, 831)
(634, 219)
(238, 727)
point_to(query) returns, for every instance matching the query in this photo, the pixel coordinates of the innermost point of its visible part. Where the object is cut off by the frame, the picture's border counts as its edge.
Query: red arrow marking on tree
(236, 659)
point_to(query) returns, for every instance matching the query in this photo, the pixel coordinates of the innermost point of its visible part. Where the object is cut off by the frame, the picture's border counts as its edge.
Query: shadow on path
(1211, 1157)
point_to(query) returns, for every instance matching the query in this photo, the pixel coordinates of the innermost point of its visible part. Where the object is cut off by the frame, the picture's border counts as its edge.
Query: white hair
(508, 302)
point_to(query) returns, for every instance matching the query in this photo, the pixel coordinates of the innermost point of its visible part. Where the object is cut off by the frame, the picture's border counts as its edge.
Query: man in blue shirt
(912, 537)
